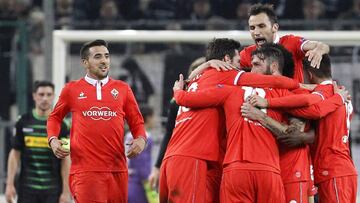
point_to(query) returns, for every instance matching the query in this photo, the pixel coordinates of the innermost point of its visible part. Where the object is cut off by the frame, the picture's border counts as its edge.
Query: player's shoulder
(248, 49)
(291, 39)
(24, 117)
(73, 83)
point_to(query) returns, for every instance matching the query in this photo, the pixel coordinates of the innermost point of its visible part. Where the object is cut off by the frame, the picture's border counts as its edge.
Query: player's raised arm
(314, 51)
(210, 97)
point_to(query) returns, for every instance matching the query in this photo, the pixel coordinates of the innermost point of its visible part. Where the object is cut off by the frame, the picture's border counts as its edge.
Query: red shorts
(338, 189)
(186, 179)
(101, 187)
(297, 192)
(251, 186)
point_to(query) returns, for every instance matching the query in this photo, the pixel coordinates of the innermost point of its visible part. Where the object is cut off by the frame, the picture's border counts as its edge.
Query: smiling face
(97, 63)
(261, 29)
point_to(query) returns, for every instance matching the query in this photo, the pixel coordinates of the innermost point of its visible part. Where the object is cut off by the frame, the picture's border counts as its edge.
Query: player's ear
(84, 62)
(275, 27)
(227, 58)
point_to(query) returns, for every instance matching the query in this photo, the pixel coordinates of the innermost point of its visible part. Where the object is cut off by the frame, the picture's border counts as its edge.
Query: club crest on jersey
(82, 95)
(114, 93)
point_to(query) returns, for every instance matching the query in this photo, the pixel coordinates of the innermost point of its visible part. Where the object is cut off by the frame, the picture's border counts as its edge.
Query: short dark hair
(325, 67)
(218, 48)
(84, 51)
(268, 9)
(289, 65)
(270, 53)
(43, 83)
(146, 111)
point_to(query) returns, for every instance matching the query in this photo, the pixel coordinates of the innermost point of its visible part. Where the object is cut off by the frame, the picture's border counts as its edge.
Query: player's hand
(154, 178)
(10, 193)
(314, 56)
(251, 112)
(256, 100)
(220, 65)
(309, 87)
(341, 90)
(292, 137)
(136, 147)
(179, 84)
(65, 197)
(59, 151)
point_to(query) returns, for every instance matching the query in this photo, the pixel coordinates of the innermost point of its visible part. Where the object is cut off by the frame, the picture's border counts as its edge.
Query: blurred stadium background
(26, 48)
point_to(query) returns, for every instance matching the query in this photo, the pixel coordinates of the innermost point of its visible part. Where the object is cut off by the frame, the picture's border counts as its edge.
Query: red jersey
(197, 132)
(292, 43)
(295, 162)
(97, 131)
(247, 141)
(331, 156)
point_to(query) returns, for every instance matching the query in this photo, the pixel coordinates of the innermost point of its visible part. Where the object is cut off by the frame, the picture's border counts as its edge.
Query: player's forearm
(13, 164)
(323, 48)
(65, 169)
(319, 110)
(259, 80)
(277, 128)
(294, 101)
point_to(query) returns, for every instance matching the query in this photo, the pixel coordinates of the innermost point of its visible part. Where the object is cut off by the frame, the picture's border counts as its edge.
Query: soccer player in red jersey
(251, 164)
(263, 26)
(334, 170)
(195, 146)
(99, 106)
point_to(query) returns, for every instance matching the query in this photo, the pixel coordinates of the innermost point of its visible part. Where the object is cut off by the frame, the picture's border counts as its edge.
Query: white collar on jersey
(326, 82)
(277, 39)
(93, 81)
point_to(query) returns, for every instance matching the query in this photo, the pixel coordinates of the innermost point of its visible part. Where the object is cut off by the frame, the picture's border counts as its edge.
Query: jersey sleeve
(64, 131)
(294, 101)
(210, 97)
(56, 117)
(133, 115)
(259, 80)
(17, 140)
(245, 58)
(318, 110)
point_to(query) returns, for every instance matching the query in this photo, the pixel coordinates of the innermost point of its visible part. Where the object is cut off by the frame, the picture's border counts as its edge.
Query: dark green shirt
(40, 169)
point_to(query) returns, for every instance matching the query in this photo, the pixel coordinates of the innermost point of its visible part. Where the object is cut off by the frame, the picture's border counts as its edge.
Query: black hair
(268, 9)
(325, 67)
(146, 112)
(289, 65)
(43, 83)
(84, 51)
(218, 48)
(271, 54)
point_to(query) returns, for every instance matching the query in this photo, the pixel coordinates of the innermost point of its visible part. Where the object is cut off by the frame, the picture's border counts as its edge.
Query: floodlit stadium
(151, 42)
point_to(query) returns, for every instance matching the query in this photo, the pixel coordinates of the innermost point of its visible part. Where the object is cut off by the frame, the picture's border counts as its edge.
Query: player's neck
(320, 80)
(42, 113)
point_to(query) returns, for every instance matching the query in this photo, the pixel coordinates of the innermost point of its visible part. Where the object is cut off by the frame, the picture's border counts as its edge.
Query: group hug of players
(260, 136)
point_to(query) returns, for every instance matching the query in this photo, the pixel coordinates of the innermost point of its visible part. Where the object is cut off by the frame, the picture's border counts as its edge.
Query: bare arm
(254, 113)
(13, 165)
(292, 135)
(65, 196)
(217, 64)
(314, 51)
